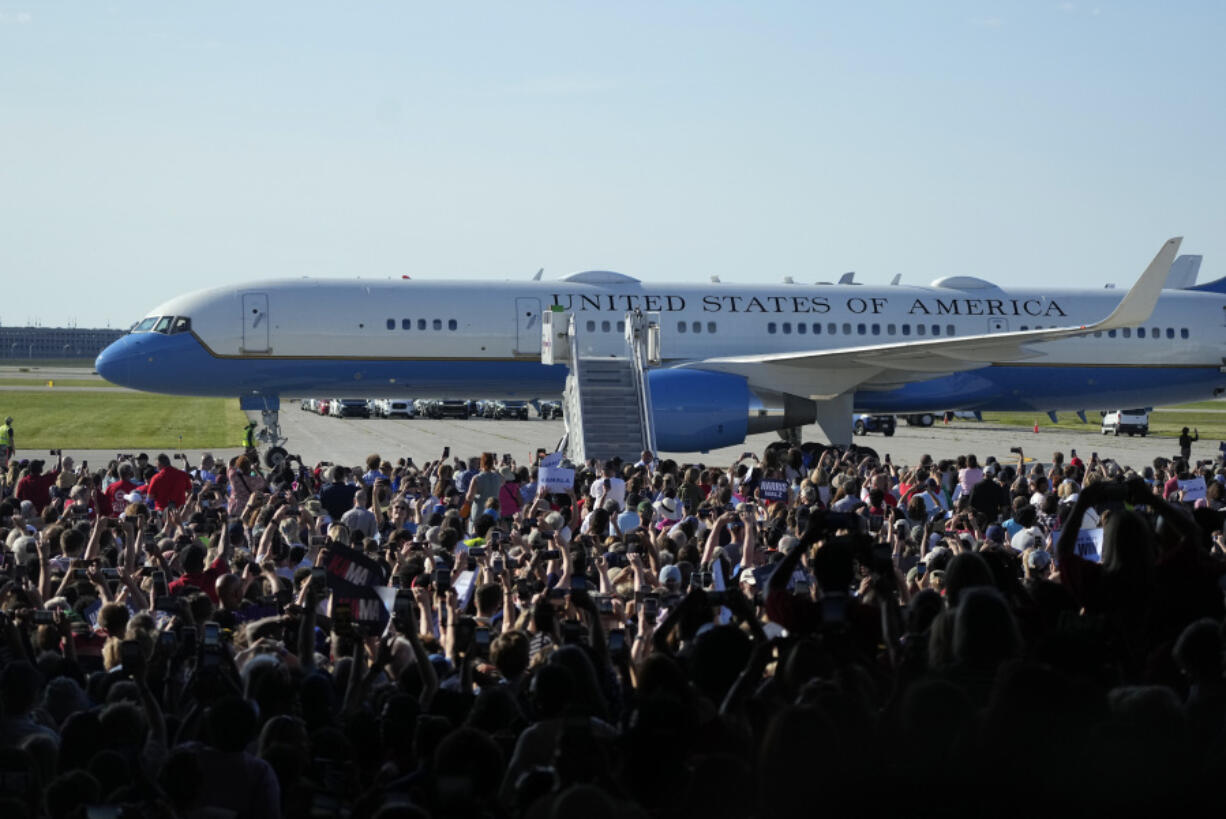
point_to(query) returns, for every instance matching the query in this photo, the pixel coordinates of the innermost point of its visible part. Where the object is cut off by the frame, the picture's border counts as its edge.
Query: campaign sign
(91, 612)
(1192, 490)
(353, 578)
(1089, 543)
(772, 490)
(557, 479)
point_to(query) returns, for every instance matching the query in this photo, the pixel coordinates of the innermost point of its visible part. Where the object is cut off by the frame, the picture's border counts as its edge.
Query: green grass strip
(58, 382)
(119, 420)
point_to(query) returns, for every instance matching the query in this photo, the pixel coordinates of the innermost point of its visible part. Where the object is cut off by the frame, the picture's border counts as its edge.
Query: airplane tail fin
(1183, 273)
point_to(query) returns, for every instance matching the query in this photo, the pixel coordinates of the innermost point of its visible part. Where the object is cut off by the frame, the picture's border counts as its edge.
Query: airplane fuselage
(371, 338)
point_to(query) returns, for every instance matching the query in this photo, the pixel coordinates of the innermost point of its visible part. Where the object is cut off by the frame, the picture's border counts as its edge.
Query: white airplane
(737, 359)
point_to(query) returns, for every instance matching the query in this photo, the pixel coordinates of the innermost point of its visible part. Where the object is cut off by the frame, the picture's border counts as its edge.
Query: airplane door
(527, 326)
(255, 323)
(998, 325)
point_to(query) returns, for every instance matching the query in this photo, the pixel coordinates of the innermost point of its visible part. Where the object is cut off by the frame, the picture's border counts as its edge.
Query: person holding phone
(484, 486)
(608, 486)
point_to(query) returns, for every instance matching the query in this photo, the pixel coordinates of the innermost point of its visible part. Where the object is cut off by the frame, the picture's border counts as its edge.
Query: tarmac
(350, 440)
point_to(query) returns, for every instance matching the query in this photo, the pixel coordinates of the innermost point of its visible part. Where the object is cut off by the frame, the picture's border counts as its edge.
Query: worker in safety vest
(249, 436)
(6, 441)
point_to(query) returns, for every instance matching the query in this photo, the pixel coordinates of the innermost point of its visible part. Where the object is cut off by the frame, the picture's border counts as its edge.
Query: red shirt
(117, 497)
(37, 489)
(169, 486)
(206, 580)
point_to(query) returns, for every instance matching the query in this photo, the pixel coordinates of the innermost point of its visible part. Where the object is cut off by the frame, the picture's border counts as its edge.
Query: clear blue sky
(148, 149)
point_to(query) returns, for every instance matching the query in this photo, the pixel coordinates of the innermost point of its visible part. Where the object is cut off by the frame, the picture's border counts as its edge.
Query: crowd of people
(808, 629)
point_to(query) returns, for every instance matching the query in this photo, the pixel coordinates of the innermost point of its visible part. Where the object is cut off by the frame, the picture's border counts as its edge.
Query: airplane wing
(827, 373)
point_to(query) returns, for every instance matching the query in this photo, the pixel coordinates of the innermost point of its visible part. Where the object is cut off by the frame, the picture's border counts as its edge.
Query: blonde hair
(110, 653)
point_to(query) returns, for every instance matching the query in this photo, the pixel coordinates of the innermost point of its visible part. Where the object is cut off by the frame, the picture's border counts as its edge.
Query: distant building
(30, 343)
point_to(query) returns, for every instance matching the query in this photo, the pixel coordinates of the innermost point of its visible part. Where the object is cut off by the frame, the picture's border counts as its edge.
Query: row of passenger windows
(1141, 332)
(163, 325)
(1154, 332)
(847, 329)
(607, 326)
(423, 324)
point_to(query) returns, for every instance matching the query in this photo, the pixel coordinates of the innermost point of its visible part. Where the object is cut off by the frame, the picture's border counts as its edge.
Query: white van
(1131, 421)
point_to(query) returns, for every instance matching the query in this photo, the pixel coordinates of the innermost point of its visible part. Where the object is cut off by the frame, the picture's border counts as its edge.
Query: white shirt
(361, 520)
(616, 491)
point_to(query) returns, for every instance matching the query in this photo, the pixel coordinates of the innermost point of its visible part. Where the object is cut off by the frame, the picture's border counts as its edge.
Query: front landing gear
(265, 412)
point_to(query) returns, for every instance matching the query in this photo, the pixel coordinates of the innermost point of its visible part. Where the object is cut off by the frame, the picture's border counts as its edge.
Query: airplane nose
(115, 363)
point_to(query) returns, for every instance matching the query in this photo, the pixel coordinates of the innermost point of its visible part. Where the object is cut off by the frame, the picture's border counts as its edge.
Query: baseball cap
(995, 533)
(670, 574)
(1038, 559)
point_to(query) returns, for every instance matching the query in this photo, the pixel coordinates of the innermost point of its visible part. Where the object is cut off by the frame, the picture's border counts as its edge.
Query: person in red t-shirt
(36, 487)
(117, 493)
(195, 574)
(169, 487)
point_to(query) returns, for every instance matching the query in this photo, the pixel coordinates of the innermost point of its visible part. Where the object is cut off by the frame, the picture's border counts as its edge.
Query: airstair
(607, 400)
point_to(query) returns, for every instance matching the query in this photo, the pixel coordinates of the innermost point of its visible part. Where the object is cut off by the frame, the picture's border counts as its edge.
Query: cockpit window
(145, 325)
(163, 324)
(182, 324)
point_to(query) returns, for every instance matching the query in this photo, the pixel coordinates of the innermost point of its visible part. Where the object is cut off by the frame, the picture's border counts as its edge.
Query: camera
(187, 640)
(572, 632)
(1016, 450)
(212, 635)
(130, 655)
(402, 608)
